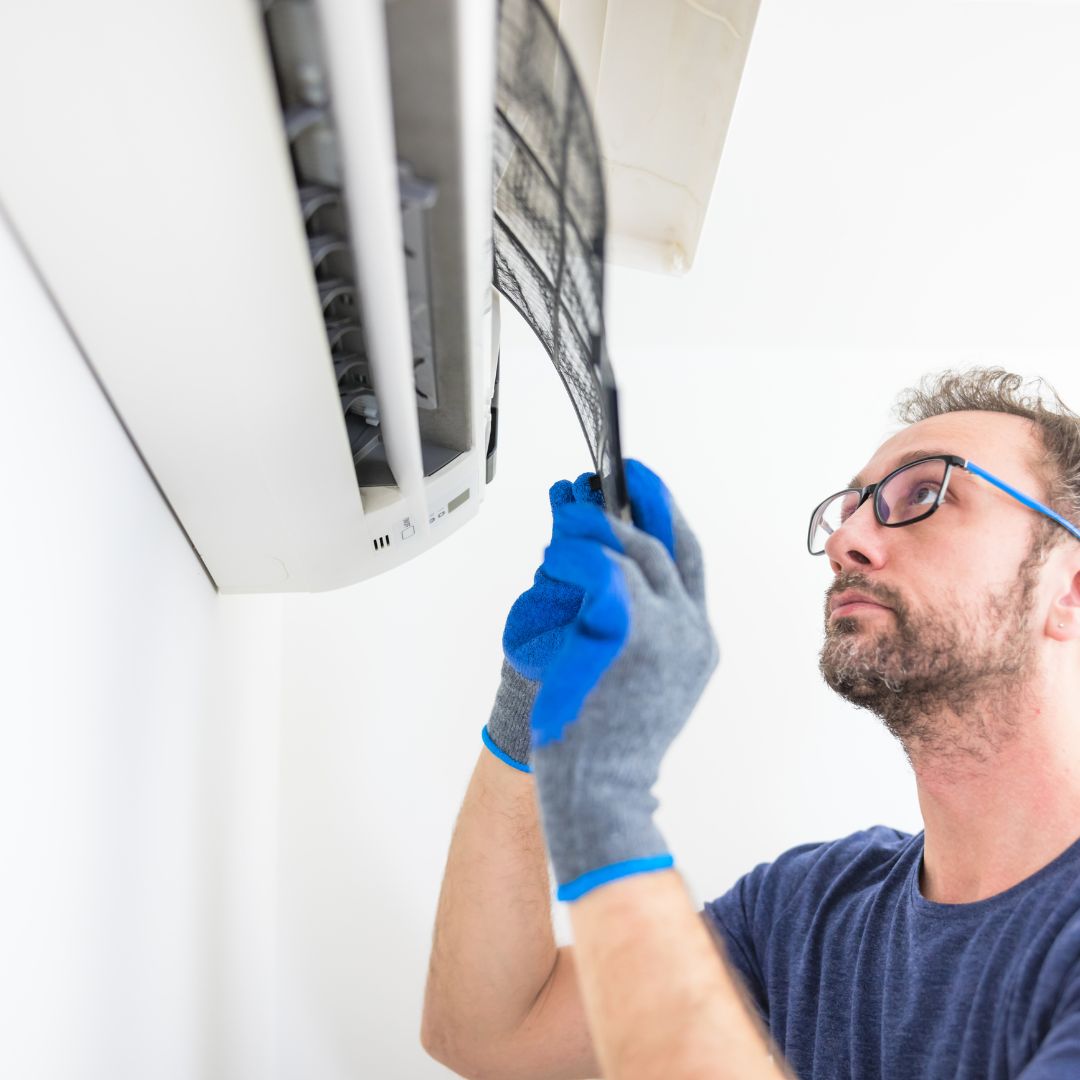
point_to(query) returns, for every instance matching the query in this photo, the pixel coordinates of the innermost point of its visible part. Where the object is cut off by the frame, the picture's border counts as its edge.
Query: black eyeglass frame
(951, 461)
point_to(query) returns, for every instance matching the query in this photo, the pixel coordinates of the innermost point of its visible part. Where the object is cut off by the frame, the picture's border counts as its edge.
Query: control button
(406, 533)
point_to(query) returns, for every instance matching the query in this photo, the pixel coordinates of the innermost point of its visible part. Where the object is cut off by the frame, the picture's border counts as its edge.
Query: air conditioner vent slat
(309, 127)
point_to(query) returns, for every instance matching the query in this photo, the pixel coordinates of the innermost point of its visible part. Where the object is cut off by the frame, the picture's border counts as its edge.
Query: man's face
(950, 629)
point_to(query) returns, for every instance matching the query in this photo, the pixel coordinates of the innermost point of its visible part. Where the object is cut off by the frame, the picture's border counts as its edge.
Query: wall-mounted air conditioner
(269, 227)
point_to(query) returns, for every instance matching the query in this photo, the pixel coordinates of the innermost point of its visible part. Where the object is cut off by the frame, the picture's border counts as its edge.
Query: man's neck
(995, 818)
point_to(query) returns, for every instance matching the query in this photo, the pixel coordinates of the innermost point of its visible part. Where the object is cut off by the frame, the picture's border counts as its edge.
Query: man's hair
(997, 390)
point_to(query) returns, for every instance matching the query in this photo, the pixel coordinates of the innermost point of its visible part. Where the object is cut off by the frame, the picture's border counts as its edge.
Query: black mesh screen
(550, 220)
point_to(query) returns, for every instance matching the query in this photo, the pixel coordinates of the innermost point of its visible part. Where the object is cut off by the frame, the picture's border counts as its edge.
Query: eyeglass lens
(910, 494)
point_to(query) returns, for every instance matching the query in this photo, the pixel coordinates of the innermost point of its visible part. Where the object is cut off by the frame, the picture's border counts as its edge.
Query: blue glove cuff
(501, 755)
(587, 882)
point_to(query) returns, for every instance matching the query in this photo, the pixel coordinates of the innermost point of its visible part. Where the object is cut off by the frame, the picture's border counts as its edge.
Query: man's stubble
(947, 682)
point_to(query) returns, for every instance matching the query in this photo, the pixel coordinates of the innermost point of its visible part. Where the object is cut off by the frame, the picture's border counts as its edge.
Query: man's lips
(850, 603)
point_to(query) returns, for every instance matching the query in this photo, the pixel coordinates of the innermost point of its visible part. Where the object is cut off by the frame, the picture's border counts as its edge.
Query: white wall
(138, 717)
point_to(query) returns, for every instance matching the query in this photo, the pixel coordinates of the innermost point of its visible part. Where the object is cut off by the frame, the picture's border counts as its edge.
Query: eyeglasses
(908, 494)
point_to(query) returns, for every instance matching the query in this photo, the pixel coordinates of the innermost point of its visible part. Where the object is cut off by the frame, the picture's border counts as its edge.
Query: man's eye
(924, 494)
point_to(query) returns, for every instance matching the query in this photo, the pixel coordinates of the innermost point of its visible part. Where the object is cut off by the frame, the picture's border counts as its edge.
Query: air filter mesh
(550, 221)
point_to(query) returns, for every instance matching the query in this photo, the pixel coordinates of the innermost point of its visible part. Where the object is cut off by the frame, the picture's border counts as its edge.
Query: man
(953, 614)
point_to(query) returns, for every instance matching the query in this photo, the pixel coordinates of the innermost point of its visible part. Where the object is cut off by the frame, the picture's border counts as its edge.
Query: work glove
(628, 673)
(534, 632)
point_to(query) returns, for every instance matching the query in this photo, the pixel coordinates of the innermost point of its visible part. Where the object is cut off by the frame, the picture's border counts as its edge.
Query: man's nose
(858, 543)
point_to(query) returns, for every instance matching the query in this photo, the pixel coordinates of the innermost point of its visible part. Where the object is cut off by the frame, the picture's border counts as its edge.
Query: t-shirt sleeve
(1058, 1056)
(731, 917)
(783, 891)
(746, 914)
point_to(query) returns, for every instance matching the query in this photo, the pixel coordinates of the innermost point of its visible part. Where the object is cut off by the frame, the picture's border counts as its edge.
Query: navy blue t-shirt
(857, 975)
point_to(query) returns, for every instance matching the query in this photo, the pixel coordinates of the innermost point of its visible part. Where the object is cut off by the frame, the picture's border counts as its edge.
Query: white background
(223, 821)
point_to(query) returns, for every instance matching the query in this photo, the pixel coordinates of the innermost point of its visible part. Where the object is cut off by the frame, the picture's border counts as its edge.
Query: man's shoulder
(776, 905)
(877, 843)
(851, 862)
(874, 846)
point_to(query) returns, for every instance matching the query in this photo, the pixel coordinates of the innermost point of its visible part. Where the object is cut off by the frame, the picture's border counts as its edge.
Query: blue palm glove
(534, 633)
(629, 673)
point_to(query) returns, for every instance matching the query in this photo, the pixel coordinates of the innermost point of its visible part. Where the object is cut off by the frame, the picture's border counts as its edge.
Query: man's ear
(1063, 619)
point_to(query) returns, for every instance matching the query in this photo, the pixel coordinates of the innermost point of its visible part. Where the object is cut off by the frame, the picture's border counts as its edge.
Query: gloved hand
(534, 632)
(630, 670)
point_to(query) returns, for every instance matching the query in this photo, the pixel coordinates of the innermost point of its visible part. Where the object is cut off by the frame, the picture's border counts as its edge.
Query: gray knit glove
(631, 669)
(507, 732)
(535, 630)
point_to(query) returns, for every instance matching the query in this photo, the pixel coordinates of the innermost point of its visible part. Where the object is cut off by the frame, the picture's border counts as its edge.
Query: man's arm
(491, 1007)
(659, 998)
(501, 1000)
(633, 665)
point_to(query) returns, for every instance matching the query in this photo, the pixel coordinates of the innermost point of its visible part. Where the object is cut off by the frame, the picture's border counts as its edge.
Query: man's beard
(974, 662)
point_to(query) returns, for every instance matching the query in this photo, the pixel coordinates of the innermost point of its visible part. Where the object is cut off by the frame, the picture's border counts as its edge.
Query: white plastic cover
(663, 75)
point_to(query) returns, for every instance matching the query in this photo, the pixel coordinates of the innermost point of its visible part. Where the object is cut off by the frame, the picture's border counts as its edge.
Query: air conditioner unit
(269, 226)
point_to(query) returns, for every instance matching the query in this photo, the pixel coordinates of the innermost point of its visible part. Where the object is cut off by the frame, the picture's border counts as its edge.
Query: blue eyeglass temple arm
(1028, 502)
